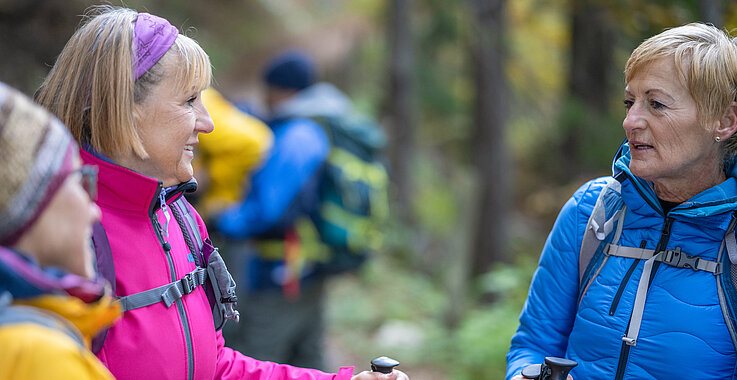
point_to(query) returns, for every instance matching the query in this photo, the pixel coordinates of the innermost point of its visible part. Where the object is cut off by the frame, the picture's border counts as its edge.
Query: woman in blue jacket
(651, 299)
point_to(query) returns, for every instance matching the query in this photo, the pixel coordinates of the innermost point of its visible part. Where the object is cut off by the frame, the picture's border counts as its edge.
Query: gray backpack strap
(629, 252)
(672, 257)
(727, 281)
(168, 294)
(191, 224)
(634, 328)
(597, 229)
(731, 244)
(17, 314)
(598, 226)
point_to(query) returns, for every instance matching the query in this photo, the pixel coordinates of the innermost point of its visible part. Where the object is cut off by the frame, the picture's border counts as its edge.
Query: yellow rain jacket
(236, 146)
(35, 351)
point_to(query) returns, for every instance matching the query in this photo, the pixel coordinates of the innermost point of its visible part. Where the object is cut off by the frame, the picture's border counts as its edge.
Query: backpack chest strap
(672, 257)
(168, 294)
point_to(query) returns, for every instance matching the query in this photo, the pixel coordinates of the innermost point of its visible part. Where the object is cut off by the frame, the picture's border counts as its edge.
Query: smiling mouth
(189, 148)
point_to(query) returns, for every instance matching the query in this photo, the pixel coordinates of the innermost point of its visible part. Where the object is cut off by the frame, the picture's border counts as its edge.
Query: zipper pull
(165, 210)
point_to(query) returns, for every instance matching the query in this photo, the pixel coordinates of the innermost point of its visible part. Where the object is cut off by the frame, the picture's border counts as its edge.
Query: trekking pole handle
(383, 364)
(553, 369)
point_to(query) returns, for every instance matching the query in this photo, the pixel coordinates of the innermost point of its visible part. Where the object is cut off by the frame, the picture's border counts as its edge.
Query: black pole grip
(558, 368)
(383, 364)
(553, 369)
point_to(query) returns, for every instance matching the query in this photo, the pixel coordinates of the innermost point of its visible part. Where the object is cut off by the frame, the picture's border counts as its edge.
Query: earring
(717, 139)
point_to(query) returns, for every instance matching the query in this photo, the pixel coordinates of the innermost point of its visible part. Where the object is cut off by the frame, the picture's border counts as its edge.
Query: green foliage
(385, 292)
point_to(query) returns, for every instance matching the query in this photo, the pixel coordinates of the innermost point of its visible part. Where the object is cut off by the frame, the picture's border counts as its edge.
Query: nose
(204, 122)
(635, 119)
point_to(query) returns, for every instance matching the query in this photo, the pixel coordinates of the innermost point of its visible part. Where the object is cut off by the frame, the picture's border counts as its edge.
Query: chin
(638, 168)
(184, 174)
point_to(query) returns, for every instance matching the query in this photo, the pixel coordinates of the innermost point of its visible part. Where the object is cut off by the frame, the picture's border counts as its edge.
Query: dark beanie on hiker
(292, 69)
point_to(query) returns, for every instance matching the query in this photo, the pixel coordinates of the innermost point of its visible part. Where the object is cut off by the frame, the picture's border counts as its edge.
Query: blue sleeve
(550, 309)
(300, 148)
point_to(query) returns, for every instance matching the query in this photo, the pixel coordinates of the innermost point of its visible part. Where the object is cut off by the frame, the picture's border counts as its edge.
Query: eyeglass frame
(88, 179)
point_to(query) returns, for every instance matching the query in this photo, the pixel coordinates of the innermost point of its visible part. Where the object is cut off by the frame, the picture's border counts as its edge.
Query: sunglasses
(88, 180)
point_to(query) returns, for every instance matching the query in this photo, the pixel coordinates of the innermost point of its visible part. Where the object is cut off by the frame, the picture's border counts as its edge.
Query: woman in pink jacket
(128, 86)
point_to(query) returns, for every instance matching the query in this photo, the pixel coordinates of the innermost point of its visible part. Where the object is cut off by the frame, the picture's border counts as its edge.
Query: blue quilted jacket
(683, 333)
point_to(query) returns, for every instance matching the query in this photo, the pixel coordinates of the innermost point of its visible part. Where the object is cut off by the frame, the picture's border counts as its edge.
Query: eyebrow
(652, 91)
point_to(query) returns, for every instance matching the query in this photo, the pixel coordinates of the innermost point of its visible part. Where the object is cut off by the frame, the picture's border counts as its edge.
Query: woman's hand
(368, 375)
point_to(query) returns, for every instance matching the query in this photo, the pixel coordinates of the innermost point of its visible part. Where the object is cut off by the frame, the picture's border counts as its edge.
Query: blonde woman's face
(168, 122)
(666, 138)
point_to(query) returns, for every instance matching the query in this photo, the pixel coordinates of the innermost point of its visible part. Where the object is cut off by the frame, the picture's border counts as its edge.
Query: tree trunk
(711, 12)
(590, 77)
(489, 243)
(400, 116)
(33, 33)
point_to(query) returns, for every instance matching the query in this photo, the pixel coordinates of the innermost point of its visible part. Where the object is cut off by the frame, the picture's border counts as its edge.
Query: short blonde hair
(706, 60)
(91, 87)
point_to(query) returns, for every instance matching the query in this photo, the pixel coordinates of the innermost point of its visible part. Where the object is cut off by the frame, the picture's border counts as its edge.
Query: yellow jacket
(34, 351)
(236, 146)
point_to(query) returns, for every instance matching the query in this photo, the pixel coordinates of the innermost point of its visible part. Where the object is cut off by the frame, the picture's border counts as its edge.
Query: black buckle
(680, 259)
(188, 285)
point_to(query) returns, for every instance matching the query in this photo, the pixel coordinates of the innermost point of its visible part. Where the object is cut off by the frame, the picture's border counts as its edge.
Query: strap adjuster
(188, 284)
(680, 259)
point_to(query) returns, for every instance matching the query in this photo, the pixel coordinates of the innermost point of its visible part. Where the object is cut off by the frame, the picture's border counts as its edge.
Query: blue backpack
(353, 192)
(600, 239)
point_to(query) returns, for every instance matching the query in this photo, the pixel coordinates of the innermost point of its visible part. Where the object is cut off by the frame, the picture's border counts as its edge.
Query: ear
(728, 123)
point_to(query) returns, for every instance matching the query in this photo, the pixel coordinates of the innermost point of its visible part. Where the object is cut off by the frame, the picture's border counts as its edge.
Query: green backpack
(353, 192)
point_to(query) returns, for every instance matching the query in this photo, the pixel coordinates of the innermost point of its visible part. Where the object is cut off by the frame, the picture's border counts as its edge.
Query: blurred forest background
(497, 111)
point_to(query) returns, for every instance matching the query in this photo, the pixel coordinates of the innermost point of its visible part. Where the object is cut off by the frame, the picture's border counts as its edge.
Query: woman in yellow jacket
(50, 307)
(235, 147)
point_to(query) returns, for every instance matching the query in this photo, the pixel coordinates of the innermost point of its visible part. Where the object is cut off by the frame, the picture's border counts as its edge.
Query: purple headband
(152, 37)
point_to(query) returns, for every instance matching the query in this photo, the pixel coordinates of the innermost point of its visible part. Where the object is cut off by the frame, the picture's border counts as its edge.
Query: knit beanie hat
(36, 155)
(292, 69)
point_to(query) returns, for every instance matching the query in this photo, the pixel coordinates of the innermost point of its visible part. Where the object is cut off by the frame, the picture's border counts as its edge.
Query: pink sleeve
(234, 365)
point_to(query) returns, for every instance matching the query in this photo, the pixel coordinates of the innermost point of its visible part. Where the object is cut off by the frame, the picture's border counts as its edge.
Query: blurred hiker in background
(313, 210)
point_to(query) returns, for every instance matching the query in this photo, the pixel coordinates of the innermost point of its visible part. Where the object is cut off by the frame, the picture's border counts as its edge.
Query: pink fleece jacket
(156, 342)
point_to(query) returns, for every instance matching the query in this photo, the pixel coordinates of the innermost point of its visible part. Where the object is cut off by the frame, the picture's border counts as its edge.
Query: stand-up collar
(124, 189)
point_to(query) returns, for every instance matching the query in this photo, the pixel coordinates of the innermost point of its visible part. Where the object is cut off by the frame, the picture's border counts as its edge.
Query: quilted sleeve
(549, 311)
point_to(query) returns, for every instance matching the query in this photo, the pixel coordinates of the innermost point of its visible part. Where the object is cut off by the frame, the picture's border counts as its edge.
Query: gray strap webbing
(191, 221)
(620, 216)
(637, 310)
(168, 294)
(597, 227)
(629, 252)
(672, 257)
(731, 243)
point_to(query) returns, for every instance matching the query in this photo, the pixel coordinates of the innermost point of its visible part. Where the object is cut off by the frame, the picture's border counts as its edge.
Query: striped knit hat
(36, 155)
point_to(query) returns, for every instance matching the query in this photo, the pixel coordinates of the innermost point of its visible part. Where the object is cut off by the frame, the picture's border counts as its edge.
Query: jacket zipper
(624, 282)
(160, 233)
(662, 243)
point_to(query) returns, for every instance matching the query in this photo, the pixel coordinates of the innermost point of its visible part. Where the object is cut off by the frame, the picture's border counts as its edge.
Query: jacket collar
(124, 189)
(719, 199)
